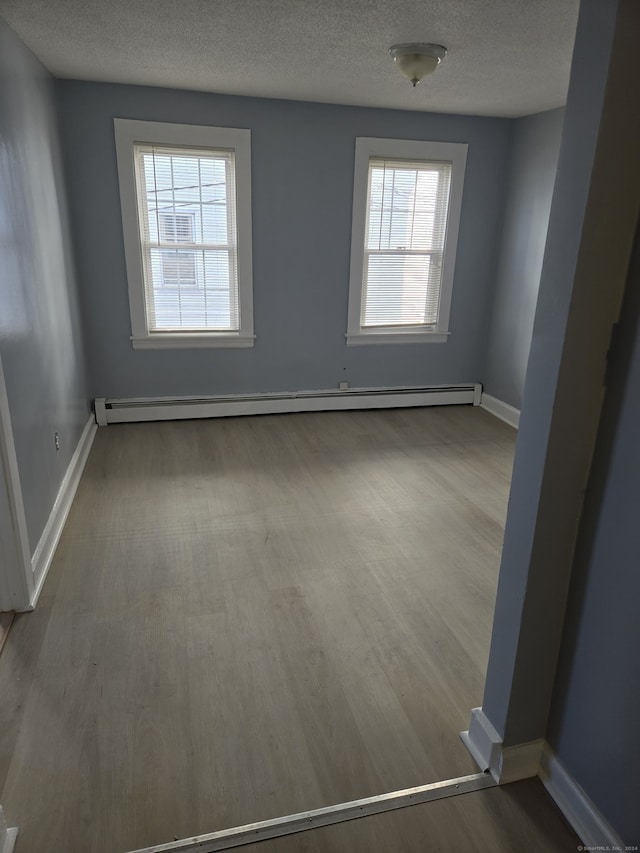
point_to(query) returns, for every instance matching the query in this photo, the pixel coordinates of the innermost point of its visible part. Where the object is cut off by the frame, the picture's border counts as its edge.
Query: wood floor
(251, 617)
(519, 818)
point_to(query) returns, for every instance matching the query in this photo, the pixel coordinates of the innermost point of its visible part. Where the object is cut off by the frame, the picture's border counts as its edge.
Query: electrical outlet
(344, 386)
(56, 439)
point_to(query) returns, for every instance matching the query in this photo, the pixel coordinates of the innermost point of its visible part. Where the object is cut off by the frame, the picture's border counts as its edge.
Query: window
(178, 265)
(177, 227)
(178, 274)
(406, 210)
(186, 215)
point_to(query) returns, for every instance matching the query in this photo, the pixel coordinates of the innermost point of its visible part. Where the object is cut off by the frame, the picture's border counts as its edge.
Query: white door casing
(16, 574)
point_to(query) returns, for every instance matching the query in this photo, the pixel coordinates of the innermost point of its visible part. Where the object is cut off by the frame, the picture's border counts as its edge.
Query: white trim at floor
(592, 828)
(509, 414)
(522, 761)
(110, 411)
(505, 764)
(46, 547)
(8, 835)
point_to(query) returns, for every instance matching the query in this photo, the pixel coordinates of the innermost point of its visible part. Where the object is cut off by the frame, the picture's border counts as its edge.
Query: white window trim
(128, 132)
(367, 147)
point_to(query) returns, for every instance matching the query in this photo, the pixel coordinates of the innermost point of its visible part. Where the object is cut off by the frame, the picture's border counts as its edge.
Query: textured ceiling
(506, 57)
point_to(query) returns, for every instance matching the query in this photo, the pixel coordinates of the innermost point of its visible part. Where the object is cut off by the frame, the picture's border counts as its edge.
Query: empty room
(319, 487)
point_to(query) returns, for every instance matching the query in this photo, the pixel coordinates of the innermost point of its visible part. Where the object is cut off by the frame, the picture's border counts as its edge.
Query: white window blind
(188, 236)
(406, 224)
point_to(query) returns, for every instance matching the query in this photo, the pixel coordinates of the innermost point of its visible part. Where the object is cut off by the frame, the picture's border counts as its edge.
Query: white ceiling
(506, 57)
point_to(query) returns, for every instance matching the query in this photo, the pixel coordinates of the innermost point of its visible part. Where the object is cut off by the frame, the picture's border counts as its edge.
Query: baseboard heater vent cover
(251, 833)
(114, 411)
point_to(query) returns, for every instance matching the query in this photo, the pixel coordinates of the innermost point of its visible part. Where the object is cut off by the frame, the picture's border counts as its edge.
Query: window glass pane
(404, 241)
(398, 291)
(187, 197)
(190, 290)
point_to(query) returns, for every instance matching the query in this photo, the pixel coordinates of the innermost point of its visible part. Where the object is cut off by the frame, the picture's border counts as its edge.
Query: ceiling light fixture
(416, 60)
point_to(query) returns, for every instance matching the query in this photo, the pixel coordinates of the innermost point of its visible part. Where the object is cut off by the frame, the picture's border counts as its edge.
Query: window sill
(356, 339)
(193, 340)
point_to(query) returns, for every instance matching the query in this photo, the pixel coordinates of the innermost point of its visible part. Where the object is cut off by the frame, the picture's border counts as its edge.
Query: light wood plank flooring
(251, 617)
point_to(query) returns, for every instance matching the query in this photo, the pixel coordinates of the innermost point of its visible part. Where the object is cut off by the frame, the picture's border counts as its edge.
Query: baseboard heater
(117, 411)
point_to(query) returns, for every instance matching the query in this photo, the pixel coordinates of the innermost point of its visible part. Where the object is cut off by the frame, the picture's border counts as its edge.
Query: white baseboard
(505, 764)
(482, 740)
(520, 762)
(43, 555)
(509, 414)
(575, 805)
(510, 764)
(8, 835)
(176, 408)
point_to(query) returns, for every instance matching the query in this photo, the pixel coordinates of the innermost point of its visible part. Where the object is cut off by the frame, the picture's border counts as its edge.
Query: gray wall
(534, 158)
(302, 191)
(40, 339)
(594, 725)
(563, 388)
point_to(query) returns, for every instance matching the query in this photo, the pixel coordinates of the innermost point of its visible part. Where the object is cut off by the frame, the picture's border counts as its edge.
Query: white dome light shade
(417, 60)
